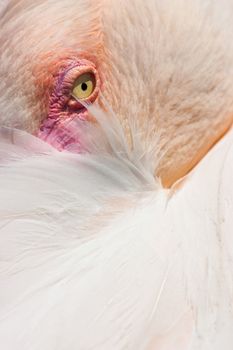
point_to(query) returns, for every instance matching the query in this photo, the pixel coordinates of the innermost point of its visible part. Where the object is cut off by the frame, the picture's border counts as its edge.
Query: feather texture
(93, 256)
(94, 252)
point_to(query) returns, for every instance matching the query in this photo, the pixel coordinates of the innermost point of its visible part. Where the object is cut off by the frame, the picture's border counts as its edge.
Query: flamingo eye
(84, 86)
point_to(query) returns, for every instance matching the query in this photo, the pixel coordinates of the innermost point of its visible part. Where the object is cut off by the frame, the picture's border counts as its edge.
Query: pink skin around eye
(60, 127)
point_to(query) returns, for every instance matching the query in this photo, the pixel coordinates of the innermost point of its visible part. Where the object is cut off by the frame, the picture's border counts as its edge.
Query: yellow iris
(84, 86)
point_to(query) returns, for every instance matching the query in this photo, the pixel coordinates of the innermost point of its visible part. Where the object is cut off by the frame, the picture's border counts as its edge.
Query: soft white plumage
(96, 256)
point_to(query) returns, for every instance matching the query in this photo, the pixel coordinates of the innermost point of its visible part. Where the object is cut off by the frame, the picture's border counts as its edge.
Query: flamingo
(116, 171)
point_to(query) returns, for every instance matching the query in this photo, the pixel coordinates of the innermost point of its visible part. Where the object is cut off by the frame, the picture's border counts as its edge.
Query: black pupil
(84, 86)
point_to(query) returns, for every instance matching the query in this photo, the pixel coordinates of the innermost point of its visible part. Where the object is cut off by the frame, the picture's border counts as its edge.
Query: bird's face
(161, 74)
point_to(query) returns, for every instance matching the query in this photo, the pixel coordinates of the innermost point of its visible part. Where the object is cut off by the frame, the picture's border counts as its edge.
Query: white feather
(93, 256)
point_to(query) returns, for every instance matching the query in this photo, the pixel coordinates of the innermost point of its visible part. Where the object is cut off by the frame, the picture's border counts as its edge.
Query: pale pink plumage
(94, 252)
